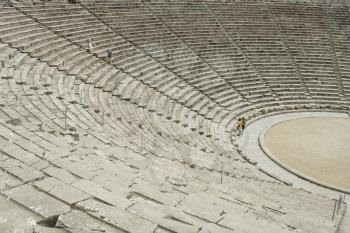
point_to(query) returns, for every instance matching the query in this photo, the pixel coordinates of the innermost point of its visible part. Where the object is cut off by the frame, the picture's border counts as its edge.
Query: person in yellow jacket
(240, 125)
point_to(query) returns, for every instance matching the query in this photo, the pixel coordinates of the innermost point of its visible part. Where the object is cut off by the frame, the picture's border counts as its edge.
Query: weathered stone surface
(152, 193)
(154, 165)
(165, 216)
(29, 145)
(60, 174)
(22, 171)
(78, 221)
(99, 192)
(8, 181)
(39, 202)
(113, 182)
(15, 218)
(19, 153)
(76, 168)
(61, 190)
(52, 156)
(14, 122)
(40, 229)
(214, 228)
(194, 205)
(238, 222)
(120, 218)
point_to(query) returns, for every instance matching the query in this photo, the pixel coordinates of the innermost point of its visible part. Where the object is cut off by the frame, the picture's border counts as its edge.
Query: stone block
(60, 174)
(61, 190)
(150, 192)
(165, 216)
(99, 192)
(21, 170)
(39, 202)
(121, 219)
(8, 181)
(80, 222)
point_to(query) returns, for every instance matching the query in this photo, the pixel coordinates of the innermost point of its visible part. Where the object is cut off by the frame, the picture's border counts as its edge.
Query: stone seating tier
(158, 122)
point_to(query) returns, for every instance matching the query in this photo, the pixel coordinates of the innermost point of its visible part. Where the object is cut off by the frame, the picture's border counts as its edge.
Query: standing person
(90, 45)
(243, 124)
(109, 56)
(239, 126)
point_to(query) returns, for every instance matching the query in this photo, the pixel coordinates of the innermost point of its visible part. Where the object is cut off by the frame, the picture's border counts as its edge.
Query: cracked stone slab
(78, 221)
(167, 217)
(120, 218)
(30, 146)
(40, 165)
(15, 218)
(99, 192)
(214, 228)
(19, 153)
(113, 182)
(256, 223)
(22, 171)
(8, 181)
(152, 193)
(193, 204)
(39, 202)
(52, 156)
(61, 190)
(60, 174)
(77, 167)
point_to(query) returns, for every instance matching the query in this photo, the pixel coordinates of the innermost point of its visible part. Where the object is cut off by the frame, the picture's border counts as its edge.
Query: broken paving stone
(49, 222)
(72, 128)
(78, 220)
(178, 181)
(44, 127)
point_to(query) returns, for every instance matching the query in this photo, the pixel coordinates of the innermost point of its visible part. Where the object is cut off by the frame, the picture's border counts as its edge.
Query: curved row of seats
(134, 61)
(54, 163)
(105, 142)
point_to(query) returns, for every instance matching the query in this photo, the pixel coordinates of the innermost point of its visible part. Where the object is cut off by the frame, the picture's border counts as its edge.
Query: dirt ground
(316, 147)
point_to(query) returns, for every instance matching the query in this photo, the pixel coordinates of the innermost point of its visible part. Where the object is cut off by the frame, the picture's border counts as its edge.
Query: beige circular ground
(316, 148)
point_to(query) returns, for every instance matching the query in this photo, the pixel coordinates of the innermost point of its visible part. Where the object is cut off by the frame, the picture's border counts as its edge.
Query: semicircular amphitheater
(145, 141)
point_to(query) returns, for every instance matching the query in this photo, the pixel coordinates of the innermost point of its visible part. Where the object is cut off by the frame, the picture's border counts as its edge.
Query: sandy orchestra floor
(316, 147)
